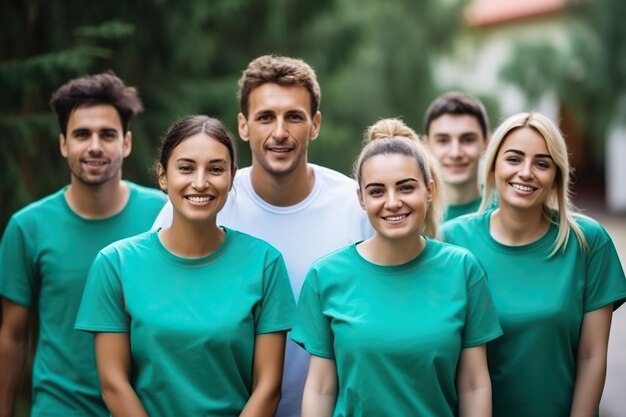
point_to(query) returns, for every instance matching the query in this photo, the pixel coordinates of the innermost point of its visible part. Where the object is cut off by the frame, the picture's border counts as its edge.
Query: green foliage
(372, 59)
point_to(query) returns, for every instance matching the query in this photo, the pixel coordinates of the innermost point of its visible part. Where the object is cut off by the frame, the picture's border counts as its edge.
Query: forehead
(96, 117)
(389, 168)
(278, 98)
(200, 147)
(454, 124)
(525, 139)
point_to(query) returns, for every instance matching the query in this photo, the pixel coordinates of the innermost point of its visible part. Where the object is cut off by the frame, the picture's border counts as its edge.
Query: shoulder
(449, 253)
(464, 225)
(146, 194)
(592, 230)
(40, 210)
(135, 244)
(250, 245)
(344, 256)
(332, 178)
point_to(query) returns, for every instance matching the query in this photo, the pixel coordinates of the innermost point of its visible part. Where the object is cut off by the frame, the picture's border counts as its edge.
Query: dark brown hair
(458, 104)
(92, 90)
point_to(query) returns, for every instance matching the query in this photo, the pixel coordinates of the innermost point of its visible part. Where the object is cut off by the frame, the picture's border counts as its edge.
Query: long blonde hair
(393, 137)
(559, 200)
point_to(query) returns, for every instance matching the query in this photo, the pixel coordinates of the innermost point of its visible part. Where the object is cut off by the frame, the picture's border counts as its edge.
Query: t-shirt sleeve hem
(273, 329)
(92, 328)
(616, 300)
(313, 351)
(482, 340)
(24, 302)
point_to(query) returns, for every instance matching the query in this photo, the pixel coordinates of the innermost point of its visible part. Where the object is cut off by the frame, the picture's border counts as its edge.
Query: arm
(13, 341)
(320, 388)
(591, 362)
(267, 375)
(113, 358)
(473, 384)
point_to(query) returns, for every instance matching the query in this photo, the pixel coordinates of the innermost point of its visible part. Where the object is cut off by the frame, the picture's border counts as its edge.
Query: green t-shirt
(457, 210)
(541, 302)
(45, 255)
(395, 332)
(192, 322)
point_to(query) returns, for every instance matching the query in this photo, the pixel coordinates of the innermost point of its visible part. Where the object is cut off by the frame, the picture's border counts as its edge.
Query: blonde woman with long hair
(554, 275)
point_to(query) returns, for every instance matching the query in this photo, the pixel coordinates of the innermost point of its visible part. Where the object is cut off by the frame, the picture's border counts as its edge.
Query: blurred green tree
(373, 60)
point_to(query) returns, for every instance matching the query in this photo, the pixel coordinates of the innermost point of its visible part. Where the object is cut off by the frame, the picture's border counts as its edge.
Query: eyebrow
(379, 184)
(212, 161)
(86, 129)
(539, 155)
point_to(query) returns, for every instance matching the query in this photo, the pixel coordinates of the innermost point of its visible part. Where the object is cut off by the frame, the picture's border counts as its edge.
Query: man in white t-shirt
(302, 209)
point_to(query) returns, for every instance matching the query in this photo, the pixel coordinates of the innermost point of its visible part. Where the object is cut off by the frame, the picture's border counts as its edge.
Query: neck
(516, 227)
(461, 194)
(388, 252)
(192, 240)
(97, 202)
(283, 191)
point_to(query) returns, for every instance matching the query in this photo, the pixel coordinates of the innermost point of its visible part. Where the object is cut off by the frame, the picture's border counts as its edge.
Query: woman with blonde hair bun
(396, 324)
(554, 275)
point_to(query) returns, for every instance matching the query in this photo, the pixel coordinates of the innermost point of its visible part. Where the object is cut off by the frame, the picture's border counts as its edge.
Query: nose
(393, 202)
(95, 147)
(525, 170)
(455, 149)
(200, 181)
(280, 131)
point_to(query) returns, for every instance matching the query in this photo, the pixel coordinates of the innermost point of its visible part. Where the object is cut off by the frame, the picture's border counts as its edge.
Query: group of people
(419, 292)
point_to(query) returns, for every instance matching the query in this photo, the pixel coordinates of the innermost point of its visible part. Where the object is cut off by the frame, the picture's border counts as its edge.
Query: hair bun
(389, 128)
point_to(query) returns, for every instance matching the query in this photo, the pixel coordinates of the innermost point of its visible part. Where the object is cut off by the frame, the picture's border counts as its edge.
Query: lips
(456, 167)
(199, 199)
(94, 162)
(280, 149)
(396, 217)
(522, 187)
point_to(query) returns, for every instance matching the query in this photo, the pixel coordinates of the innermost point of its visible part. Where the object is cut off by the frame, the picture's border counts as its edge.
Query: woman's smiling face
(524, 171)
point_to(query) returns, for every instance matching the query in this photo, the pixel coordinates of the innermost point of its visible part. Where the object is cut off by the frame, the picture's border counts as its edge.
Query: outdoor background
(374, 59)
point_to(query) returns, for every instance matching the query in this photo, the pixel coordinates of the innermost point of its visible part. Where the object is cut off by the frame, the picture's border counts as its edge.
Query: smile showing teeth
(395, 218)
(280, 150)
(199, 199)
(522, 187)
(95, 163)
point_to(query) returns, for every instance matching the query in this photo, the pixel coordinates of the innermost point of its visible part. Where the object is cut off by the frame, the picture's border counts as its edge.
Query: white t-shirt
(328, 219)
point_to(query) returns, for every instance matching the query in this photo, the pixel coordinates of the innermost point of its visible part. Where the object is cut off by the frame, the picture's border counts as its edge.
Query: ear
(128, 143)
(242, 125)
(315, 126)
(162, 176)
(63, 145)
(359, 195)
(430, 191)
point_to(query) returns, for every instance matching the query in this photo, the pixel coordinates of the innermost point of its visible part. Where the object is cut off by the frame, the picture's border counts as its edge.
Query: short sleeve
(604, 282)
(275, 313)
(18, 265)
(102, 307)
(312, 329)
(481, 320)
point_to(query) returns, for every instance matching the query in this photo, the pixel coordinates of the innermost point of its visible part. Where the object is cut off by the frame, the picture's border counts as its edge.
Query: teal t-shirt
(192, 322)
(457, 210)
(395, 332)
(541, 302)
(45, 254)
